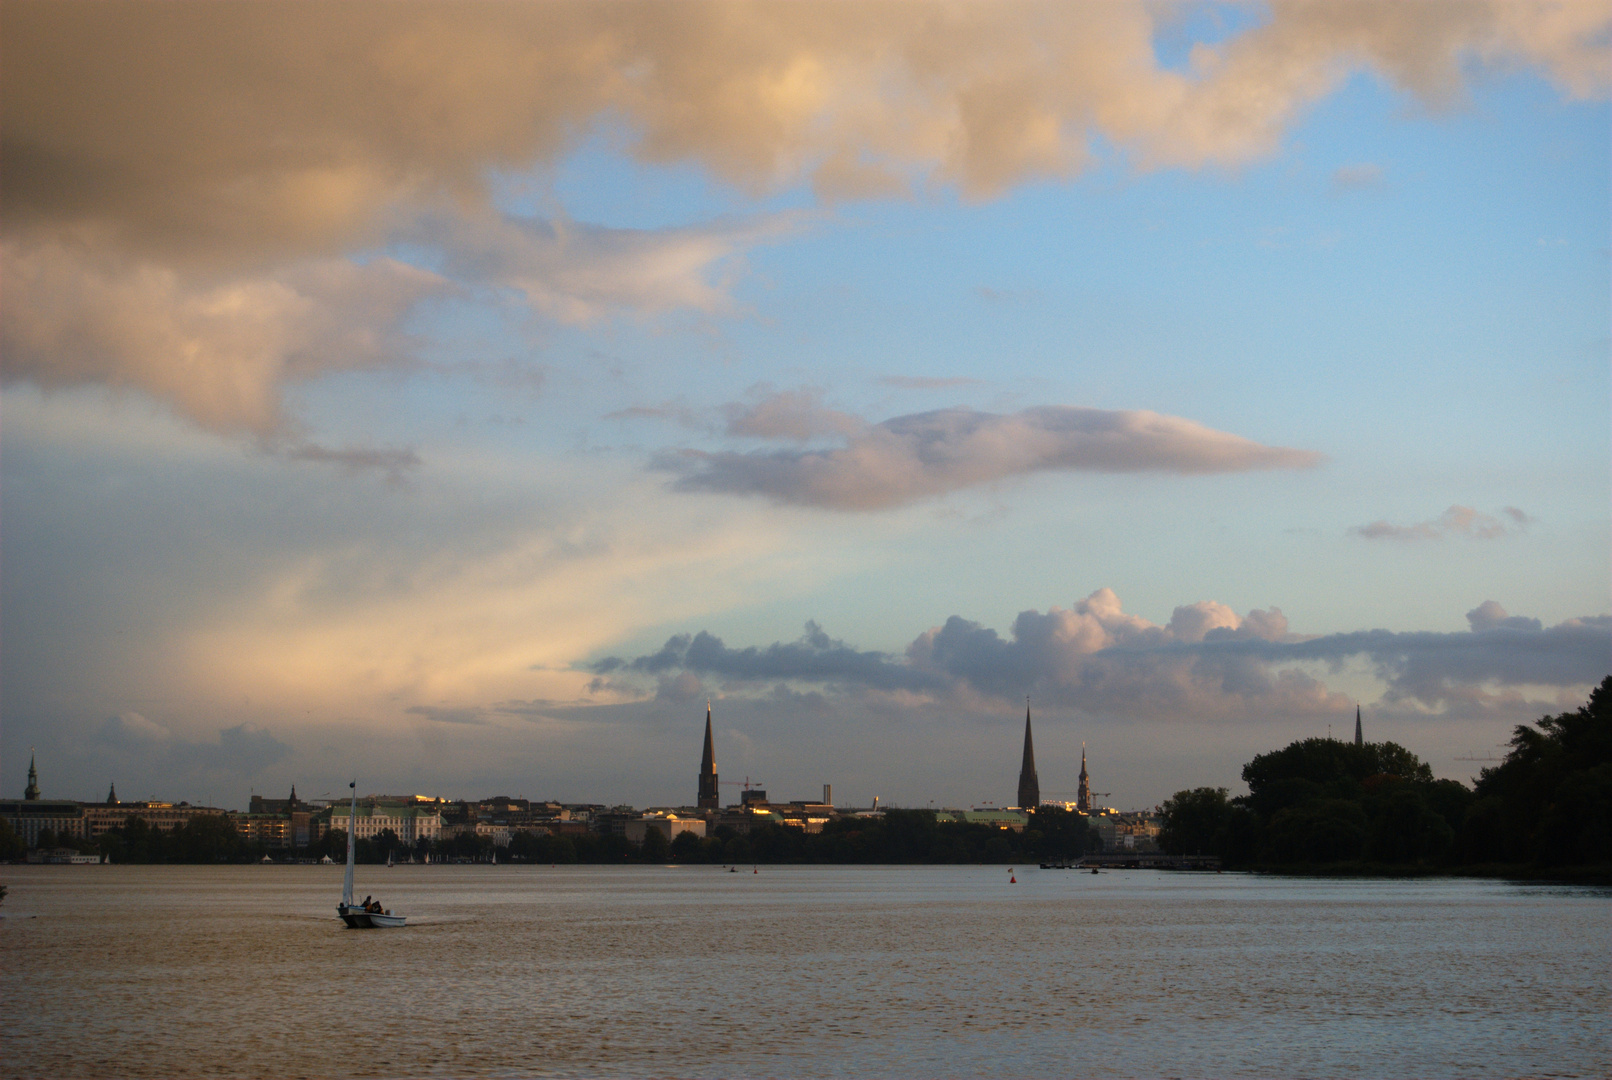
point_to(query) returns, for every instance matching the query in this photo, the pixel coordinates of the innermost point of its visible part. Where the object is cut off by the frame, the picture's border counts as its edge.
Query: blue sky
(394, 433)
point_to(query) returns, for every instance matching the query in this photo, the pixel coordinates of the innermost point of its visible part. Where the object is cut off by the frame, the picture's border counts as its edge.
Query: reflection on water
(795, 971)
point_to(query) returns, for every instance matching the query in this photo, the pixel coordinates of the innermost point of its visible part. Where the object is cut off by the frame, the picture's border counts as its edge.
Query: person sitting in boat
(374, 908)
(365, 905)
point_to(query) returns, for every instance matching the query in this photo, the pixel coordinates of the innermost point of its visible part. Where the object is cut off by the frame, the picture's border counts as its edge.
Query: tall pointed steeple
(112, 795)
(1358, 740)
(1029, 786)
(1083, 796)
(32, 792)
(710, 796)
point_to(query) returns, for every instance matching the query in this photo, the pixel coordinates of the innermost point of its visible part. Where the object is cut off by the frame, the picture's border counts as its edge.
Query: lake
(505, 971)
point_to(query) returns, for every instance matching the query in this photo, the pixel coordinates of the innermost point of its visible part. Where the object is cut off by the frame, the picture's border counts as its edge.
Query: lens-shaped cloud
(909, 458)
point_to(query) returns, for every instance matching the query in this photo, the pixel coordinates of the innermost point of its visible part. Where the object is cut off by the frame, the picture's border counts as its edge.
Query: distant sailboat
(355, 916)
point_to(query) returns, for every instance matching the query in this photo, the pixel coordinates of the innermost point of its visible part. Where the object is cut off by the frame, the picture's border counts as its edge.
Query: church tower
(1029, 786)
(710, 797)
(112, 795)
(1083, 796)
(1358, 740)
(32, 793)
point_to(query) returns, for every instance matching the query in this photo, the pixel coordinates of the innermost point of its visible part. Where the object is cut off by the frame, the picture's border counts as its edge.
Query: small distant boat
(356, 916)
(388, 858)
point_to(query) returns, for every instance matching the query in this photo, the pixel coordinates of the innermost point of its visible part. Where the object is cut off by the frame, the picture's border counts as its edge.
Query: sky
(460, 397)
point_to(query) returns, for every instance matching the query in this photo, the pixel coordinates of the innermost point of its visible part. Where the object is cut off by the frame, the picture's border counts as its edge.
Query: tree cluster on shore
(1326, 803)
(894, 836)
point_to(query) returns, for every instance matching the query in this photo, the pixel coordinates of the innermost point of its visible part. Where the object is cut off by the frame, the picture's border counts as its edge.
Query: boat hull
(359, 919)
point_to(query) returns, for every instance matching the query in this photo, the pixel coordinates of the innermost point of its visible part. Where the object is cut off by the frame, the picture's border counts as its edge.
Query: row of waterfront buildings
(416, 820)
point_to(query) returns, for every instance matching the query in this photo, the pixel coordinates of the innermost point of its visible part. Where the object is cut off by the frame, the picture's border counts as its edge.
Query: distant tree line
(206, 838)
(1321, 802)
(895, 836)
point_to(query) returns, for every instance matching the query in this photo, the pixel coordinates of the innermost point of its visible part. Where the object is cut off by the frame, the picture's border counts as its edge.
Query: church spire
(1029, 786)
(1358, 740)
(32, 793)
(1083, 796)
(710, 796)
(112, 795)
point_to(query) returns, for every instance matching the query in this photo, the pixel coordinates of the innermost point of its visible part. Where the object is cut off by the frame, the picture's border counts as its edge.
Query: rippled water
(796, 971)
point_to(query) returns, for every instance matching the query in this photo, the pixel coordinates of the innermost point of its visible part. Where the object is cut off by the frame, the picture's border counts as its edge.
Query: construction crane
(1491, 757)
(746, 783)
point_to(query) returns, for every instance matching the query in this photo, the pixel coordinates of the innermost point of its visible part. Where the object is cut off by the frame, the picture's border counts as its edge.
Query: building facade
(409, 823)
(32, 815)
(668, 825)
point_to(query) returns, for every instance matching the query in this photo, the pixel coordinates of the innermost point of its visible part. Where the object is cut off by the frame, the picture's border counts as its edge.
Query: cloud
(1491, 616)
(815, 657)
(926, 382)
(185, 182)
(578, 273)
(796, 415)
(1357, 177)
(473, 714)
(394, 462)
(241, 750)
(215, 126)
(221, 348)
(922, 455)
(218, 349)
(131, 730)
(1456, 521)
(1206, 663)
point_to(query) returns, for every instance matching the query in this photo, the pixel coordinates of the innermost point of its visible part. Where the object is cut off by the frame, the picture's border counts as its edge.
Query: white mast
(352, 827)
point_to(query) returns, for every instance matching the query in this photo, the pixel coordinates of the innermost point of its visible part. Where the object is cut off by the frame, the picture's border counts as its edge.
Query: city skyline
(466, 401)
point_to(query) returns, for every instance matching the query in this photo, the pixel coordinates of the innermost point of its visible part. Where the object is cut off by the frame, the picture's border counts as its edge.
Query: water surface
(796, 972)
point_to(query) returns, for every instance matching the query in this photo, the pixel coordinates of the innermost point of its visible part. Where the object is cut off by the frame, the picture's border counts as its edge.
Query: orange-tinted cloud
(195, 159)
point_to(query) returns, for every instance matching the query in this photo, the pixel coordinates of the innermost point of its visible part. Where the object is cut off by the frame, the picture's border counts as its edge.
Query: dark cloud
(140, 743)
(815, 657)
(1206, 663)
(922, 455)
(395, 462)
(471, 714)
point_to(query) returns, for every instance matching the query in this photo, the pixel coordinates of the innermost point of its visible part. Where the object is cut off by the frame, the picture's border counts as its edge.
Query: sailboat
(354, 915)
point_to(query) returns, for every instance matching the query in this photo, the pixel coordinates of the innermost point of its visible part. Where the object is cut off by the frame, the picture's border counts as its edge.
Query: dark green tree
(11, 845)
(1197, 822)
(688, 848)
(655, 846)
(1550, 801)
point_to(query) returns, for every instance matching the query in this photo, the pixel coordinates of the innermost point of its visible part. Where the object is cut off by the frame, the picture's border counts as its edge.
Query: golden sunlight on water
(795, 971)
